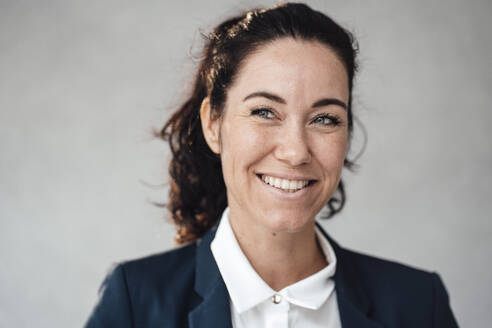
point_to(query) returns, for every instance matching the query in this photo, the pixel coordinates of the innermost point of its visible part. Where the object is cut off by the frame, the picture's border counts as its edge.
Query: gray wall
(84, 83)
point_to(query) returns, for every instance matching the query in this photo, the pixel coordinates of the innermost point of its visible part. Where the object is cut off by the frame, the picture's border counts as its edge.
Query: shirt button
(276, 299)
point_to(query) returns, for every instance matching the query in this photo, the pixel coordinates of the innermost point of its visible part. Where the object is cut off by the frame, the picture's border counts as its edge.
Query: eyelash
(335, 120)
(257, 111)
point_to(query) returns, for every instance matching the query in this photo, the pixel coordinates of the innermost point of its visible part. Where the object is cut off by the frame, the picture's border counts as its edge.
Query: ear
(210, 126)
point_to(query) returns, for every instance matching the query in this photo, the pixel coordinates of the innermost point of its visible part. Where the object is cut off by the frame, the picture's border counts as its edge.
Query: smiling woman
(258, 151)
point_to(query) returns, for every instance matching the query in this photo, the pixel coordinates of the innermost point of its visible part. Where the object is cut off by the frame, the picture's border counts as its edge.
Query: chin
(288, 222)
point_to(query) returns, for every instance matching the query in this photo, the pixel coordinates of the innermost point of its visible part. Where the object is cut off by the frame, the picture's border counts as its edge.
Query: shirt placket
(277, 312)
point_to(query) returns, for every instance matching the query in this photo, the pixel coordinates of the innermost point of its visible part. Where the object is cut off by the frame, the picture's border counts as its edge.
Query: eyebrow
(320, 103)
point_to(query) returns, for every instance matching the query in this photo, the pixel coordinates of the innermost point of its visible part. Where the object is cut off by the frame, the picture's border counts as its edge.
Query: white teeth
(284, 184)
(293, 184)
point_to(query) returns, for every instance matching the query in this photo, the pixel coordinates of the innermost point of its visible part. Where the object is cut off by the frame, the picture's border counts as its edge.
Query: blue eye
(327, 120)
(263, 112)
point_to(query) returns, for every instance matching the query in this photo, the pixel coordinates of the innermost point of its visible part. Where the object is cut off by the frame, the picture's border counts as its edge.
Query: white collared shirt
(308, 303)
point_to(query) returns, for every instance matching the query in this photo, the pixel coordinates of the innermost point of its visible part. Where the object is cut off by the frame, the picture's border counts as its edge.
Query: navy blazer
(183, 288)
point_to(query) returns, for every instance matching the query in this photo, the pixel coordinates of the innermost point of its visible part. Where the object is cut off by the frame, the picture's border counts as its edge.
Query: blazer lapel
(214, 309)
(353, 303)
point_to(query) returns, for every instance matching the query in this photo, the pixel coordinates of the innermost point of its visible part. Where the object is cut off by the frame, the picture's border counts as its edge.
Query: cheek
(242, 146)
(331, 153)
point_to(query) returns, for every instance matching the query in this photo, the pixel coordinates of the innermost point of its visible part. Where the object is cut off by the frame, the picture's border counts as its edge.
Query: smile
(284, 184)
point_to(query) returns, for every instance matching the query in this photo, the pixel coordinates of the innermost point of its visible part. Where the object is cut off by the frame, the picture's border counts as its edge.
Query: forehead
(293, 68)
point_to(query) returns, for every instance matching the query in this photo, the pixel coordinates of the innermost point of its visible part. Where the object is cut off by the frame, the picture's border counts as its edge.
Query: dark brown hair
(197, 194)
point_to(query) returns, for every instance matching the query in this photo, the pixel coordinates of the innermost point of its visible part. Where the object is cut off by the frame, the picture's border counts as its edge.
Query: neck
(280, 258)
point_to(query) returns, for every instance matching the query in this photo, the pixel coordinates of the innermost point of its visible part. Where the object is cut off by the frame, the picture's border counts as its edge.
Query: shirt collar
(247, 289)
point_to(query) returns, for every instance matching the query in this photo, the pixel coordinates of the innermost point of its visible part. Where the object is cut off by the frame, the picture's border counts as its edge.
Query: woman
(258, 150)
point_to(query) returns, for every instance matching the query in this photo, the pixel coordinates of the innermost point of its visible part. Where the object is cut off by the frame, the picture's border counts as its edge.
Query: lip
(279, 193)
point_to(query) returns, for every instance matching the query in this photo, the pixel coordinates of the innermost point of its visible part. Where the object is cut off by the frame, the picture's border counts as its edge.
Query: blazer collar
(354, 304)
(213, 309)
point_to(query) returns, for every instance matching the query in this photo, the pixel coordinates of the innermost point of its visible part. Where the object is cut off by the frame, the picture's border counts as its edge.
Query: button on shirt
(308, 303)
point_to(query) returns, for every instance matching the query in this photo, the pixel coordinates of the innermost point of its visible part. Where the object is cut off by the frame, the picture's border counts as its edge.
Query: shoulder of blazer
(390, 292)
(399, 294)
(163, 281)
(387, 277)
(181, 287)
(148, 291)
(403, 295)
(173, 265)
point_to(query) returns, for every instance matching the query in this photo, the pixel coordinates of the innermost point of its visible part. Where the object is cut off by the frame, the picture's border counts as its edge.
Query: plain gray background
(84, 83)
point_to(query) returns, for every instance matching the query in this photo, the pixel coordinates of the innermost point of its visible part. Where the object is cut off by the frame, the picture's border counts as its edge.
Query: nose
(292, 146)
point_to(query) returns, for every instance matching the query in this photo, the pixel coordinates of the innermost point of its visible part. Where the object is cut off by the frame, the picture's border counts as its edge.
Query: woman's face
(282, 137)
